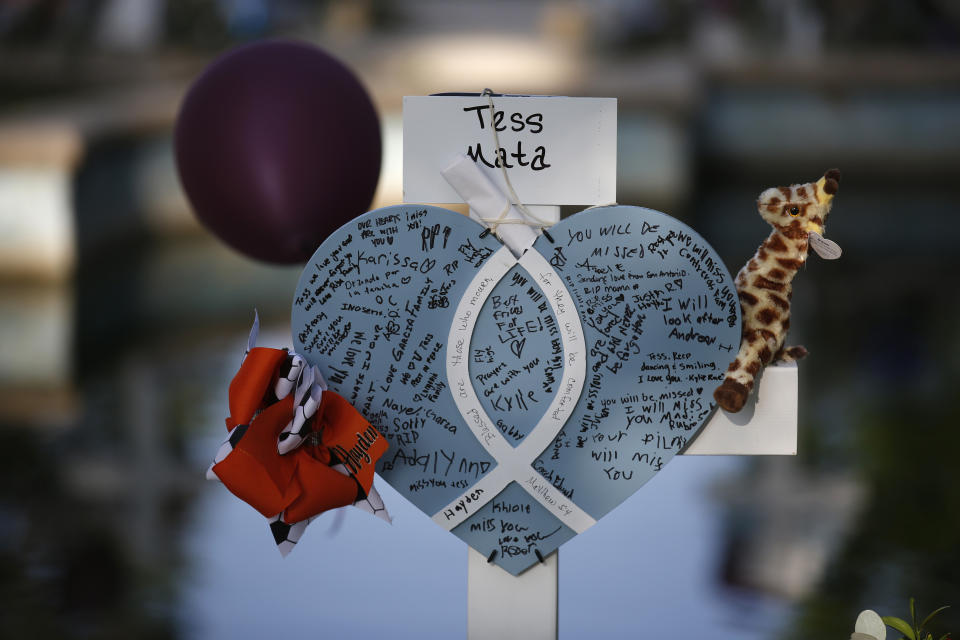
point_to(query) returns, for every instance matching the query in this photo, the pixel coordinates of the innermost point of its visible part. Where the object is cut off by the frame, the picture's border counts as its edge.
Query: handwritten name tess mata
(517, 122)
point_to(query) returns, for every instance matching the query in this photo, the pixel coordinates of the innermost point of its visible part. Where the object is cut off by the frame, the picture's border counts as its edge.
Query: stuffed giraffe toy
(764, 285)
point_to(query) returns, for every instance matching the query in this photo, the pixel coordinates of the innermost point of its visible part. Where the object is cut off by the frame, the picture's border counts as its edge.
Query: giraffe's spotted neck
(777, 260)
(786, 245)
(765, 284)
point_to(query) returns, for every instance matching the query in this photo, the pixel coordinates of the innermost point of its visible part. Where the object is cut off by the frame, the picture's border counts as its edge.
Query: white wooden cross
(557, 151)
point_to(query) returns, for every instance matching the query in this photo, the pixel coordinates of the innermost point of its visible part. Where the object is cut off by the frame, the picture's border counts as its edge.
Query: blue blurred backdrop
(122, 320)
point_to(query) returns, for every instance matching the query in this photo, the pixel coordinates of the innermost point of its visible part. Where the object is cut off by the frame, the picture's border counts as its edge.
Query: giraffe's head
(800, 209)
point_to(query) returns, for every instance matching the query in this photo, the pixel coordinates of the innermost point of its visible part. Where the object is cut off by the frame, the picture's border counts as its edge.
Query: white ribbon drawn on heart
(515, 464)
(492, 208)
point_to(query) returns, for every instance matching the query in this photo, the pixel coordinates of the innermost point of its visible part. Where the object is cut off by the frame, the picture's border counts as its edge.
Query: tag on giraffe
(826, 249)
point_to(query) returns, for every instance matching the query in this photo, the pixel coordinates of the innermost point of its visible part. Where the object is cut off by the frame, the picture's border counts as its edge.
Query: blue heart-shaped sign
(523, 398)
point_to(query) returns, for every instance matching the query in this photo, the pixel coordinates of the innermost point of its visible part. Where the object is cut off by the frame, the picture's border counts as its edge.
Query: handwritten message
(516, 356)
(373, 309)
(514, 530)
(661, 322)
(517, 155)
(523, 398)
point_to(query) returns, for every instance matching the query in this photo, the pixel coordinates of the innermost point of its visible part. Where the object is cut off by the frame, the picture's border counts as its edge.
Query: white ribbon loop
(308, 397)
(287, 382)
(515, 464)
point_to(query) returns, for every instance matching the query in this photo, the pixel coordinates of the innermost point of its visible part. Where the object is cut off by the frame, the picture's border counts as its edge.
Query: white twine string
(512, 200)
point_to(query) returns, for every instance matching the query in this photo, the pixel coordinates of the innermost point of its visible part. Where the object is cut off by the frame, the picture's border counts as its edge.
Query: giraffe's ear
(831, 181)
(828, 185)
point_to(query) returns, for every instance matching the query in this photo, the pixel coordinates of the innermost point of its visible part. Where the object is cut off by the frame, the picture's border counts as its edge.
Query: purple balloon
(277, 145)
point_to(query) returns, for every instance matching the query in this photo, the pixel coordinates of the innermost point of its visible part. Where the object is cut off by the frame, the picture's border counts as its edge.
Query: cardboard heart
(523, 398)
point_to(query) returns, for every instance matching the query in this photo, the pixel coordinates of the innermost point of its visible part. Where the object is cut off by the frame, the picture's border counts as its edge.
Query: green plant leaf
(900, 625)
(913, 612)
(932, 614)
(945, 636)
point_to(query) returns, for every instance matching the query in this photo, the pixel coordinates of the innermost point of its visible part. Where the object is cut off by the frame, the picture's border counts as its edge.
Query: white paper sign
(556, 150)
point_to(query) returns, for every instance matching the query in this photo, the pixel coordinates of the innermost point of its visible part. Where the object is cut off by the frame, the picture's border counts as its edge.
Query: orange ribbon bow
(333, 469)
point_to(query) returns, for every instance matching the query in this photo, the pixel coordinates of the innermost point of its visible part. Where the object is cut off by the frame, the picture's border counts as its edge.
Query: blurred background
(122, 320)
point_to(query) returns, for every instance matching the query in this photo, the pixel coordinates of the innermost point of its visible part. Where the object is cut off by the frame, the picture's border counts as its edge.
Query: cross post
(556, 151)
